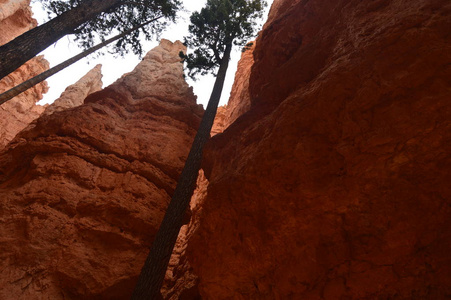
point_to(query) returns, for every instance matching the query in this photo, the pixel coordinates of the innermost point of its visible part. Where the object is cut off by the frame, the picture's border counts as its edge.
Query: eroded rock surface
(239, 101)
(221, 119)
(84, 190)
(15, 19)
(75, 94)
(17, 113)
(335, 184)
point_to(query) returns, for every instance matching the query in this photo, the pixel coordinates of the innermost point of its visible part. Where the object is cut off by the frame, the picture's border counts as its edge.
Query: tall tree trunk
(8, 95)
(154, 270)
(29, 44)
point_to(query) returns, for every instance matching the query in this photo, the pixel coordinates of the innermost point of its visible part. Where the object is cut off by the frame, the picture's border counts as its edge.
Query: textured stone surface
(221, 120)
(159, 67)
(84, 189)
(75, 94)
(239, 101)
(17, 113)
(15, 19)
(335, 184)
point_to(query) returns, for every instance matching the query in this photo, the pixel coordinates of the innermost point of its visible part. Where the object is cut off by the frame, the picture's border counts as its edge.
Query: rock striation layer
(84, 190)
(335, 183)
(74, 94)
(16, 114)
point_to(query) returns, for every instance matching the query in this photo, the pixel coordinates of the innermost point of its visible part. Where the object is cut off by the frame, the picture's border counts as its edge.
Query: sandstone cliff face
(84, 190)
(75, 94)
(16, 114)
(335, 184)
(239, 101)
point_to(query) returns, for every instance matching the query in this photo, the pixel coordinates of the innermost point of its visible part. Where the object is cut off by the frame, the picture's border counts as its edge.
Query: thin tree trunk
(29, 44)
(154, 270)
(8, 95)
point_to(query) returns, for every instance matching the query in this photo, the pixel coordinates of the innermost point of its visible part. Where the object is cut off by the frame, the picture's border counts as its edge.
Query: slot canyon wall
(16, 114)
(327, 176)
(335, 182)
(84, 189)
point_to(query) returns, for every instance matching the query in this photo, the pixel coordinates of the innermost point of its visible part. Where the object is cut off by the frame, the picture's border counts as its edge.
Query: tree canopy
(219, 23)
(89, 20)
(126, 15)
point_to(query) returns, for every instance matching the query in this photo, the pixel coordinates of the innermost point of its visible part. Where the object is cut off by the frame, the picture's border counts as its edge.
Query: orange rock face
(75, 94)
(336, 183)
(19, 112)
(15, 19)
(221, 120)
(16, 114)
(239, 101)
(84, 189)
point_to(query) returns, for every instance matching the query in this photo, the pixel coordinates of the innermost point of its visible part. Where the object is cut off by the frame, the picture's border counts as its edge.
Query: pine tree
(90, 21)
(13, 92)
(213, 31)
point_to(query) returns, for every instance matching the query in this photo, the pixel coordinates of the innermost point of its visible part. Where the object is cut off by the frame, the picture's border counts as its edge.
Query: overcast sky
(113, 68)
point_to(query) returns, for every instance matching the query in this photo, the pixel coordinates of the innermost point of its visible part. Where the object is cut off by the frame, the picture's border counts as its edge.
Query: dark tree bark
(8, 95)
(29, 44)
(154, 270)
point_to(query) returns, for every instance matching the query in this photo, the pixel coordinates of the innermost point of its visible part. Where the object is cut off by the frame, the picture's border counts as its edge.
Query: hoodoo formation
(328, 175)
(84, 190)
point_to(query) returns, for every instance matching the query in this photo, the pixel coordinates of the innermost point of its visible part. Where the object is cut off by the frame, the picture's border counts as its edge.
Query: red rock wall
(84, 189)
(336, 183)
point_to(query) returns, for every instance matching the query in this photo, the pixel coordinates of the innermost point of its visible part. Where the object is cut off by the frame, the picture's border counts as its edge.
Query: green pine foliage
(126, 15)
(219, 23)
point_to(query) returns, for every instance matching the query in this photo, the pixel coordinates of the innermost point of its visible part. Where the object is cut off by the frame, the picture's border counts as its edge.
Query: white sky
(113, 68)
